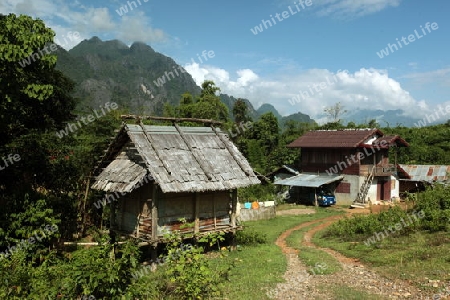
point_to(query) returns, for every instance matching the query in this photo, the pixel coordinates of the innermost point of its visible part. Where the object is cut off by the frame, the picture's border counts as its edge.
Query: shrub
(257, 192)
(361, 227)
(435, 202)
(250, 237)
(185, 274)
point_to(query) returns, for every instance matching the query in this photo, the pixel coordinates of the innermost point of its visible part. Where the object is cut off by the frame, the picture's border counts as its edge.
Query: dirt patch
(296, 211)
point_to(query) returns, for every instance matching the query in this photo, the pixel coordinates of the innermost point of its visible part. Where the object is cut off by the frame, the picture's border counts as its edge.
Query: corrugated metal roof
(428, 173)
(347, 138)
(308, 180)
(193, 159)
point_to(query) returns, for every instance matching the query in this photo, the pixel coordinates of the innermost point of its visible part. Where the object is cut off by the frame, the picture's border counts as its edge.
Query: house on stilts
(157, 176)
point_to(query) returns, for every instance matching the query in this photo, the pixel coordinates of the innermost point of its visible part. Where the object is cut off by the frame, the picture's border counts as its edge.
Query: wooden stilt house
(154, 176)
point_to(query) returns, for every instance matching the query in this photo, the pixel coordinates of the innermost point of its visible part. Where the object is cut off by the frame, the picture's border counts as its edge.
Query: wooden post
(214, 211)
(196, 213)
(233, 207)
(154, 253)
(112, 215)
(315, 197)
(112, 222)
(155, 212)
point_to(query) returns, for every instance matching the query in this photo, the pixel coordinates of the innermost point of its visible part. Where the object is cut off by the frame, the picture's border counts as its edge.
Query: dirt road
(301, 285)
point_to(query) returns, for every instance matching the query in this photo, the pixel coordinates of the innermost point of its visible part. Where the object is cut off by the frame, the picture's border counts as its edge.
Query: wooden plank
(214, 212)
(233, 208)
(134, 117)
(155, 204)
(196, 213)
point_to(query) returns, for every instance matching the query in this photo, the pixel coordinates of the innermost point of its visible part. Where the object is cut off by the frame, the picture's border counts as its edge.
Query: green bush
(431, 212)
(185, 274)
(250, 237)
(436, 197)
(361, 227)
(435, 203)
(96, 271)
(258, 192)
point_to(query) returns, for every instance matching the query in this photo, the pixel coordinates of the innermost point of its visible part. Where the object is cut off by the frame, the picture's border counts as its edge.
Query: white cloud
(352, 8)
(436, 76)
(315, 89)
(138, 28)
(87, 21)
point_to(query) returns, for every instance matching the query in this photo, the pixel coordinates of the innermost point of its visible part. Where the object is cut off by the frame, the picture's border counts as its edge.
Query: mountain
(385, 118)
(299, 117)
(265, 108)
(137, 78)
(230, 100)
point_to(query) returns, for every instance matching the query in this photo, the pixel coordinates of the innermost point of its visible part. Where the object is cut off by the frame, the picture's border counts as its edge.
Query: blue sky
(315, 56)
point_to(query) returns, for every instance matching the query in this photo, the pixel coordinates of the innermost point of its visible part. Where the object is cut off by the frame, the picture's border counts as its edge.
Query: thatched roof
(178, 159)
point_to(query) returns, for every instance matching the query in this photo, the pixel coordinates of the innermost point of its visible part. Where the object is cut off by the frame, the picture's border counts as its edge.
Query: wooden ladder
(360, 200)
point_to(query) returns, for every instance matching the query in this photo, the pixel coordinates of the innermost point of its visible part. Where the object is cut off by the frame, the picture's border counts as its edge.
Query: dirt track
(300, 285)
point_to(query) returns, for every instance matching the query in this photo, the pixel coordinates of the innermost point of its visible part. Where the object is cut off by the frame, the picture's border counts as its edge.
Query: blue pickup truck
(322, 196)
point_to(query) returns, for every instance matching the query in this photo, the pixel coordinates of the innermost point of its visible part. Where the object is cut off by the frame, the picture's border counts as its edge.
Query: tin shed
(157, 175)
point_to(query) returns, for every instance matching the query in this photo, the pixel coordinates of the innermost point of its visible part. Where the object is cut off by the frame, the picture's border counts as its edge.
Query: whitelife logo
(162, 80)
(124, 9)
(342, 165)
(280, 17)
(318, 87)
(86, 120)
(11, 158)
(72, 36)
(377, 237)
(48, 230)
(411, 38)
(433, 117)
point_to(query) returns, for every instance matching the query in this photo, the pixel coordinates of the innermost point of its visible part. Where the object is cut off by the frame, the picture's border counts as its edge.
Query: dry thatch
(179, 159)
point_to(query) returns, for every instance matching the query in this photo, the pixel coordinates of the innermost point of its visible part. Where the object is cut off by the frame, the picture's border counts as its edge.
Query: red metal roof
(347, 138)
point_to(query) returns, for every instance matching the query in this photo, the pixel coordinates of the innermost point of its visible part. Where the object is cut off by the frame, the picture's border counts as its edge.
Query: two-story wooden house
(352, 162)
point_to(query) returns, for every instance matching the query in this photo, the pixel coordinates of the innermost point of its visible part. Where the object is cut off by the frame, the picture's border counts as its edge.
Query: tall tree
(35, 102)
(335, 112)
(209, 105)
(240, 112)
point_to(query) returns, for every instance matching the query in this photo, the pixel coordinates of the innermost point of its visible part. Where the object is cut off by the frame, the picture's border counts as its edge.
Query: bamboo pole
(172, 119)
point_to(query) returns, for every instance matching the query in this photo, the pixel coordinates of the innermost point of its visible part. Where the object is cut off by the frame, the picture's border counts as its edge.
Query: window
(343, 187)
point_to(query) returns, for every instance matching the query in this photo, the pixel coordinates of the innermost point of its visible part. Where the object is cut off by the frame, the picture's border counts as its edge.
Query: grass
(417, 258)
(320, 262)
(261, 267)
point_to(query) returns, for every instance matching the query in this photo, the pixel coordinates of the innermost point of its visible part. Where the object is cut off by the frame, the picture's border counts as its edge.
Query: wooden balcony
(380, 170)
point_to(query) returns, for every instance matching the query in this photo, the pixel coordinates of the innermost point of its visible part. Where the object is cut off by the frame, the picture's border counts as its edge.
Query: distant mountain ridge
(142, 80)
(386, 118)
(112, 71)
(136, 77)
